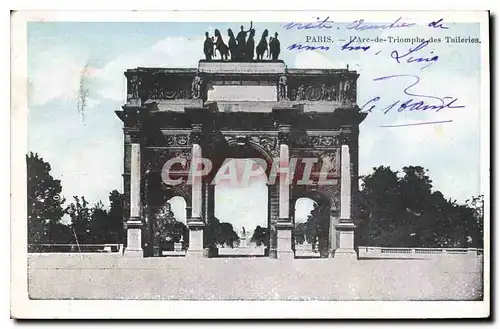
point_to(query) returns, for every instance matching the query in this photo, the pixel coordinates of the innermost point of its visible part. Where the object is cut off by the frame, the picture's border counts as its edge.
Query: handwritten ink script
(318, 24)
(415, 101)
(430, 59)
(360, 25)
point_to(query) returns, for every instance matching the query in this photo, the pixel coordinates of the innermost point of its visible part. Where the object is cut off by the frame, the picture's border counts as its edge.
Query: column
(195, 222)
(134, 223)
(284, 225)
(345, 226)
(209, 209)
(273, 213)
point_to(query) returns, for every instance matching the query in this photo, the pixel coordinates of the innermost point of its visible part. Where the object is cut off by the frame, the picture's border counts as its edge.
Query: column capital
(135, 135)
(284, 133)
(196, 133)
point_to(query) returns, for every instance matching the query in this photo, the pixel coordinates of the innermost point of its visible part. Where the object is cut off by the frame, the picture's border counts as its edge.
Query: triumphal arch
(240, 109)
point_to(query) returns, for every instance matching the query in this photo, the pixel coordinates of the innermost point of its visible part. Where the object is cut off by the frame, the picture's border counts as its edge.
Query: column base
(195, 253)
(133, 253)
(195, 249)
(345, 254)
(134, 238)
(284, 240)
(285, 255)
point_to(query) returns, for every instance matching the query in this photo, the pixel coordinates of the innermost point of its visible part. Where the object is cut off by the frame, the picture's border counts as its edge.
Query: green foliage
(167, 230)
(81, 219)
(45, 211)
(44, 201)
(260, 236)
(219, 234)
(403, 211)
(116, 232)
(300, 233)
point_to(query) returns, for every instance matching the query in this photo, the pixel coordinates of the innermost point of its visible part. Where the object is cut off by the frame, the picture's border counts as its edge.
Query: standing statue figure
(243, 232)
(196, 87)
(283, 88)
(346, 92)
(269, 49)
(300, 93)
(250, 46)
(136, 86)
(232, 45)
(333, 94)
(208, 47)
(241, 40)
(220, 45)
(324, 92)
(262, 46)
(274, 47)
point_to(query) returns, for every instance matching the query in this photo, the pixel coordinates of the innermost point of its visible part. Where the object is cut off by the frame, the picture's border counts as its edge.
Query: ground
(111, 276)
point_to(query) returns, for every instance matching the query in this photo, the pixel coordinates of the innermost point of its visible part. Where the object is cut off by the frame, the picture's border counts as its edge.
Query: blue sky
(85, 151)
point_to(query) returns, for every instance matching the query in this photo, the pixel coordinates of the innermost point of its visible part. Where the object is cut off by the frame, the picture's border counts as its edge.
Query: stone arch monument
(221, 107)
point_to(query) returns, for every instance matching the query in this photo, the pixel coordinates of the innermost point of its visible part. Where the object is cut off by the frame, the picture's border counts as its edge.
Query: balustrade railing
(387, 252)
(76, 248)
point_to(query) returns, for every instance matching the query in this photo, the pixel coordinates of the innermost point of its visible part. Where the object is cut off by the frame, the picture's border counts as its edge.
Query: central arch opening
(241, 207)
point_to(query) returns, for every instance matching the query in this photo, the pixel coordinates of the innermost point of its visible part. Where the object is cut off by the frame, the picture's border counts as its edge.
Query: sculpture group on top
(241, 48)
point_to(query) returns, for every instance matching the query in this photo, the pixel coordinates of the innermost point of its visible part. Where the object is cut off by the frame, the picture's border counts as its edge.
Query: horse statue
(250, 46)
(221, 46)
(233, 46)
(262, 46)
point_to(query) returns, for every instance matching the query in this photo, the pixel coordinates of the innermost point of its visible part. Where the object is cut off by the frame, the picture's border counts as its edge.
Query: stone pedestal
(284, 240)
(243, 242)
(346, 240)
(178, 246)
(134, 239)
(195, 239)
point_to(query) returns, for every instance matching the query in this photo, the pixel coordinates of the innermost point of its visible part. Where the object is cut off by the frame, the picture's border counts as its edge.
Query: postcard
(217, 164)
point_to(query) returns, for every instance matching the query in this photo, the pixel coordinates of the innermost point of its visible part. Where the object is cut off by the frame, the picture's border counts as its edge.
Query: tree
(115, 217)
(403, 211)
(475, 227)
(260, 236)
(81, 219)
(44, 200)
(227, 236)
(317, 228)
(99, 224)
(300, 233)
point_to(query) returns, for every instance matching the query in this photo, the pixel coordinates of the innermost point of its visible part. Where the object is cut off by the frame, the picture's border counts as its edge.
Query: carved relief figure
(274, 47)
(136, 85)
(329, 161)
(262, 46)
(346, 91)
(208, 47)
(283, 88)
(333, 94)
(220, 45)
(300, 93)
(196, 87)
(324, 92)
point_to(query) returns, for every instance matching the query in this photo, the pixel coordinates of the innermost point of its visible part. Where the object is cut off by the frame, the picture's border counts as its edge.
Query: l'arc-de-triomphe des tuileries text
(239, 109)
